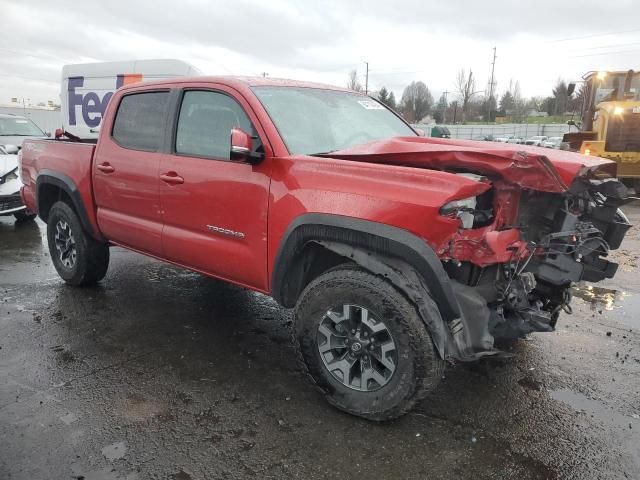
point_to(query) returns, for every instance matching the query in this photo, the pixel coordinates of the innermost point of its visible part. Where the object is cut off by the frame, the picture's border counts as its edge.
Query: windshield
(611, 87)
(19, 127)
(313, 120)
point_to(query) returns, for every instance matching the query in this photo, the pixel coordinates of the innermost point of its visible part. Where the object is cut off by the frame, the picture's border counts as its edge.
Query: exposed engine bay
(526, 224)
(518, 251)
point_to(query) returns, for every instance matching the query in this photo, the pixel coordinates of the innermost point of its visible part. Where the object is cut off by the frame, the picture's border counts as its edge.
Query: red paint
(164, 204)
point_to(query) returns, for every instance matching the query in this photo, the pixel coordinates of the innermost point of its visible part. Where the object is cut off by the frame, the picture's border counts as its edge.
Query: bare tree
(466, 89)
(416, 102)
(353, 83)
(520, 104)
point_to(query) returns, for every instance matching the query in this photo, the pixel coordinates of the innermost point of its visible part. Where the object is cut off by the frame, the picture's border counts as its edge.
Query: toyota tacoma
(399, 253)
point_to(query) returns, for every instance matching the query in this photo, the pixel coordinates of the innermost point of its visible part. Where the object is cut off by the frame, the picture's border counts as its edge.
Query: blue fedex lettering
(92, 106)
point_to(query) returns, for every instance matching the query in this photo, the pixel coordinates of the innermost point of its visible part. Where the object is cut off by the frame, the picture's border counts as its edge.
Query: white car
(552, 142)
(15, 129)
(10, 201)
(503, 138)
(536, 140)
(517, 140)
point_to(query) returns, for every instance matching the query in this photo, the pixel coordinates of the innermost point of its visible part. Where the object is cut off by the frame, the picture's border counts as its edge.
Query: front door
(125, 172)
(214, 208)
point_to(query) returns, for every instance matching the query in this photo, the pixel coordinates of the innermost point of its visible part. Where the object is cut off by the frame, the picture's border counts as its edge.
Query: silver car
(10, 201)
(552, 142)
(14, 129)
(536, 140)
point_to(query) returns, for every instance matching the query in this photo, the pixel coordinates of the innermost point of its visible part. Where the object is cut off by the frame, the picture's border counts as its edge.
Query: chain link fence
(518, 130)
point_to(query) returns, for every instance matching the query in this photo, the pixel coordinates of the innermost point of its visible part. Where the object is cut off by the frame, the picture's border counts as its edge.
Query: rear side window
(205, 123)
(139, 123)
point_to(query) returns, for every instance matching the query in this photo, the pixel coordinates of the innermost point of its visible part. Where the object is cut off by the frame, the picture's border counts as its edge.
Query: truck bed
(67, 162)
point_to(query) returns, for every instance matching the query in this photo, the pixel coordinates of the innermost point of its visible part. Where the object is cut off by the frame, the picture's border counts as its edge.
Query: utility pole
(493, 66)
(446, 104)
(366, 80)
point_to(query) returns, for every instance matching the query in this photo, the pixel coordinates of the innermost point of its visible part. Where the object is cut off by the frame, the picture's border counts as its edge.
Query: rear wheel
(364, 344)
(78, 258)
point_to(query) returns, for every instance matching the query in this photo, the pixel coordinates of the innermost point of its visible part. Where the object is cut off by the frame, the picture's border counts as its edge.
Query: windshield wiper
(19, 135)
(321, 153)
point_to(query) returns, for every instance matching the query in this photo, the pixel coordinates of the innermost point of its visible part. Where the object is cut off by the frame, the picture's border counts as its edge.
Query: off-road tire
(419, 367)
(92, 257)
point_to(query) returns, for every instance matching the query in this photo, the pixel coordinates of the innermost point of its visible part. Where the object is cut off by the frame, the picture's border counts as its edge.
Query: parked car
(398, 253)
(15, 129)
(516, 140)
(552, 142)
(440, 132)
(536, 140)
(484, 138)
(503, 138)
(10, 201)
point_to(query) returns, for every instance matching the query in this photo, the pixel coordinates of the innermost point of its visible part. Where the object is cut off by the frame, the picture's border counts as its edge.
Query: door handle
(171, 178)
(105, 167)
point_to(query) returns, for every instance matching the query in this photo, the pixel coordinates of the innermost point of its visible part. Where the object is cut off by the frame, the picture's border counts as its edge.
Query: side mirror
(571, 88)
(242, 147)
(11, 149)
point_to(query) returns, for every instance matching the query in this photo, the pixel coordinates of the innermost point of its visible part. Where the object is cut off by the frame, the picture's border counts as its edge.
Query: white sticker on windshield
(21, 121)
(370, 105)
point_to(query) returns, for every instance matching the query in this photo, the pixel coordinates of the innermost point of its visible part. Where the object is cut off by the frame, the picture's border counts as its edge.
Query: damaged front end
(517, 251)
(539, 221)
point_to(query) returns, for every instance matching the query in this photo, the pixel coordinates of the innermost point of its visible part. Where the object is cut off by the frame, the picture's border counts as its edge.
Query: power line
(612, 46)
(604, 53)
(593, 35)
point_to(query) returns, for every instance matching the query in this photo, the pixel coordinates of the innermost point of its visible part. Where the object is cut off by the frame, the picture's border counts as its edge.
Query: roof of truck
(243, 82)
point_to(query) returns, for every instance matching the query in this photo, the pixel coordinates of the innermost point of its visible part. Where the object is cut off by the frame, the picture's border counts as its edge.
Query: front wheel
(78, 258)
(364, 344)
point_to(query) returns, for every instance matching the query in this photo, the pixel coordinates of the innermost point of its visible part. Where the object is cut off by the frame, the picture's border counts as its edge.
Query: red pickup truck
(398, 252)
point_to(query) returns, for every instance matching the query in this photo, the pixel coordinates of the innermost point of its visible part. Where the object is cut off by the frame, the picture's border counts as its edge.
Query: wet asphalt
(162, 373)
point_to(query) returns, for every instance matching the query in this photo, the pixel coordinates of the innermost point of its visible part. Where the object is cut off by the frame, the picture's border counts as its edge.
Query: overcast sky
(403, 40)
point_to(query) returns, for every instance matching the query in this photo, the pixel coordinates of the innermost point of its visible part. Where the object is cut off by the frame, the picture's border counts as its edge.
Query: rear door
(215, 208)
(126, 167)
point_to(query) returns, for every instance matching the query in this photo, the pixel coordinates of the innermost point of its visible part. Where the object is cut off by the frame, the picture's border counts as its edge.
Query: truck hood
(526, 166)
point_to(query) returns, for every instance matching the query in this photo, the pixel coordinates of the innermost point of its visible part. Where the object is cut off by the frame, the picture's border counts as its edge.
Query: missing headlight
(473, 212)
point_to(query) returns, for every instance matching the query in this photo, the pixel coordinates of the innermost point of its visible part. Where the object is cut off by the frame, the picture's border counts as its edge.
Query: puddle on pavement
(595, 409)
(599, 298)
(114, 451)
(620, 303)
(627, 428)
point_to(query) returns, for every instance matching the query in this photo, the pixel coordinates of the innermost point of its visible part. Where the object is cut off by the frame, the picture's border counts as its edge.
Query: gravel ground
(162, 373)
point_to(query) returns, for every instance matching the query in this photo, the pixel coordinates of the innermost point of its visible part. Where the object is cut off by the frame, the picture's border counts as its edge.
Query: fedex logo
(92, 106)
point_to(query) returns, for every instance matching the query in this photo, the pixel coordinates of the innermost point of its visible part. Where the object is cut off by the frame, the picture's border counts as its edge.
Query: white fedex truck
(86, 88)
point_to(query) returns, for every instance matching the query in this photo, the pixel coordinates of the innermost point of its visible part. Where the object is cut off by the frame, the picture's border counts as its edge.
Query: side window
(205, 123)
(140, 120)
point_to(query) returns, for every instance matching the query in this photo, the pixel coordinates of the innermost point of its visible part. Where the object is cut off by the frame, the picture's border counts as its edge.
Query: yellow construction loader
(610, 126)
